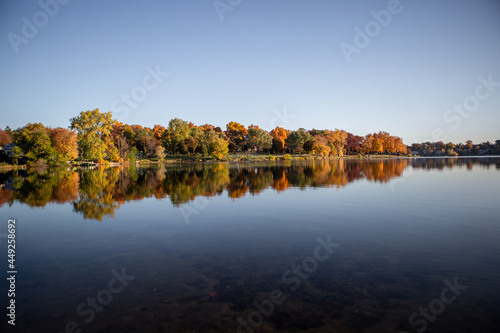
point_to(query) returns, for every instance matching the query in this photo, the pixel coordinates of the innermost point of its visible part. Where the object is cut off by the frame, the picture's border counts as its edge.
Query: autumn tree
(4, 138)
(336, 141)
(218, 148)
(65, 144)
(279, 135)
(236, 134)
(321, 145)
(373, 143)
(145, 141)
(232, 125)
(129, 134)
(366, 146)
(207, 127)
(377, 145)
(400, 147)
(279, 132)
(278, 145)
(157, 132)
(94, 135)
(119, 140)
(121, 145)
(353, 144)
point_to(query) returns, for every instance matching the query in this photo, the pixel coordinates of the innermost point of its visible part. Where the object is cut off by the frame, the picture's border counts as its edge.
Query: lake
(368, 245)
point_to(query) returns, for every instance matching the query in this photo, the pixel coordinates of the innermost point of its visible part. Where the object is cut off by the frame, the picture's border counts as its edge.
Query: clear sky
(290, 63)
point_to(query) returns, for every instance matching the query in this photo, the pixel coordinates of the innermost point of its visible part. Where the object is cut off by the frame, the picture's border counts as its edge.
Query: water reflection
(97, 193)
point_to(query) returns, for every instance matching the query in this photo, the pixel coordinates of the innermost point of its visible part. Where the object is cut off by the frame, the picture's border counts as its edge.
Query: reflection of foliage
(184, 185)
(98, 193)
(41, 186)
(6, 196)
(383, 172)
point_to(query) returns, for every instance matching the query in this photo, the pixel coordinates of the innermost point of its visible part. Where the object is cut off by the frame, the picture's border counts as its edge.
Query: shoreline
(237, 159)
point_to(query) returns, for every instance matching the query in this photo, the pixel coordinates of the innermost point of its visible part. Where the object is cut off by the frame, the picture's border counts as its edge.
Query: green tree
(132, 155)
(258, 138)
(17, 153)
(308, 146)
(296, 140)
(34, 140)
(213, 143)
(94, 135)
(177, 131)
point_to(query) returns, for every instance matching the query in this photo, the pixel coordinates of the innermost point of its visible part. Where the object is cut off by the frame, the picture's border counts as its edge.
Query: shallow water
(208, 248)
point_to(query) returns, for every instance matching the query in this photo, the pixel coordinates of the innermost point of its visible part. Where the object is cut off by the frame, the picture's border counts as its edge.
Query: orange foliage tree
(65, 144)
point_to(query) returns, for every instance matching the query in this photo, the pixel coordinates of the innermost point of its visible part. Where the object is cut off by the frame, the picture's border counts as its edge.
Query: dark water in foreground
(318, 246)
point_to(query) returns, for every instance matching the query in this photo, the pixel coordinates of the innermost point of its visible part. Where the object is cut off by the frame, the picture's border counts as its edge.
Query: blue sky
(264, 62)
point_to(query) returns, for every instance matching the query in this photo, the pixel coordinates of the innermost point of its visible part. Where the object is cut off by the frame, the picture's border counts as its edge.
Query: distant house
(7, 149)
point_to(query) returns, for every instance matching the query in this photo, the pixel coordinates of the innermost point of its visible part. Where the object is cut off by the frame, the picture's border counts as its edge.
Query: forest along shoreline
(95, 138)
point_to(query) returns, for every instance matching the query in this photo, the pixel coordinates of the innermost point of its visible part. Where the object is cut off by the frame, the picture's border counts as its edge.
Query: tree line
(451, 149)
(96, 136)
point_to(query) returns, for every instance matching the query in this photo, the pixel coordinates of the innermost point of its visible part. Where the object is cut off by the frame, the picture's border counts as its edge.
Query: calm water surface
(413, 244)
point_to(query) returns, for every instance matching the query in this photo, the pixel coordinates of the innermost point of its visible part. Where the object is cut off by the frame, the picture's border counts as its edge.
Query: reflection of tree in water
(450, 163)
(383, 172)
(37, 187)
(183, 185)
(280, 181)
(6, 196)
(98, 193)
